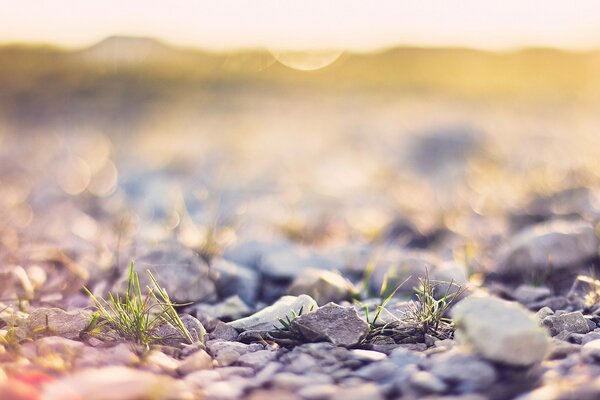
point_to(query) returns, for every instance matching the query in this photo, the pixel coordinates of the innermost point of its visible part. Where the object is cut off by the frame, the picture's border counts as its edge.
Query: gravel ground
(275, 221)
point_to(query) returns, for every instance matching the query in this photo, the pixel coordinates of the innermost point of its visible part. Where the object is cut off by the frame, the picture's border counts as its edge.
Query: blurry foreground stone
(500, 330)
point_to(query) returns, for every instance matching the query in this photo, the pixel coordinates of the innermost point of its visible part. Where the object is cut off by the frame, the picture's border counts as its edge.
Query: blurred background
(317, 122)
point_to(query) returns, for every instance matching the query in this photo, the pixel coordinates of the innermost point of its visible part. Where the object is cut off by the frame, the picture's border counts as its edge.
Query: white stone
(500, 330)
(266, 318)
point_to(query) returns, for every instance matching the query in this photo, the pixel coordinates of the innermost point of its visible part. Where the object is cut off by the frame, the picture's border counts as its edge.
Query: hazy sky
(307, 24)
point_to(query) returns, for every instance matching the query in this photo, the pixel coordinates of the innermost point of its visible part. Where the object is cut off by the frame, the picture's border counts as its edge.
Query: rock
(573, 322)
(257, 359)
(231, 308)
(234, 279)
(54, 321)
(174, 337)
(194, 362)
(227, 353)
(160, 363)
(268, 317)
(289, 261)
(120, 354)
(466, 372)
(591, 350)
(427, 382)
(295, 382)
(323, 286)
(367, 355)
(223, 332)
(116, 383)
(591, 336)
(499, 330)
(543, 313)
(546, 248)
(360, 392)
(381, 371)
(318, 392)
(339, 325)
(573, 202)
(526, 294)
(184, 275)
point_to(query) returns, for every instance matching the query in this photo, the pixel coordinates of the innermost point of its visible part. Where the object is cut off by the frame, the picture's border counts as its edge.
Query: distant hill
(125, 49)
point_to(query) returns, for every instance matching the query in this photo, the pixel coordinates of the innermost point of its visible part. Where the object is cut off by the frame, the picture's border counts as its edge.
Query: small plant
(287, 322)
(424, 316)
(135, 316)
(428, 313)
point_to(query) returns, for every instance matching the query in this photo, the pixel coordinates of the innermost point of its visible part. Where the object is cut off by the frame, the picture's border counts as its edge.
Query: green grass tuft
(136, 316)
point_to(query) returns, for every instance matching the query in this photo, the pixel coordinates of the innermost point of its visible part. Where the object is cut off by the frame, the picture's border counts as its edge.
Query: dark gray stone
(339, 325)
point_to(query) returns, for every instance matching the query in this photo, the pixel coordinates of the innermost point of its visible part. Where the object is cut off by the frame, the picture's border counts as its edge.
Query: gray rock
(547, 247)
(257, 359)
(173, 336)
(290, 261)
(427, 382)
(543, 313)
(500, 330)
(573, 322)
(339, 325)
(323, 286)
(527, 294)
(234, 279)
(268, 317)
(228, 353)
(381, 371)
(467, 372)
(183, 274)
(231, 308)
(222, 331)
(54, 321)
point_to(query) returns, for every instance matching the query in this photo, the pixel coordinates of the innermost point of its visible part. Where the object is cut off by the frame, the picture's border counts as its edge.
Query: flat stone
(323, 286)
(500, 330)
(333, 323)
(54, 321)
(267, 318)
